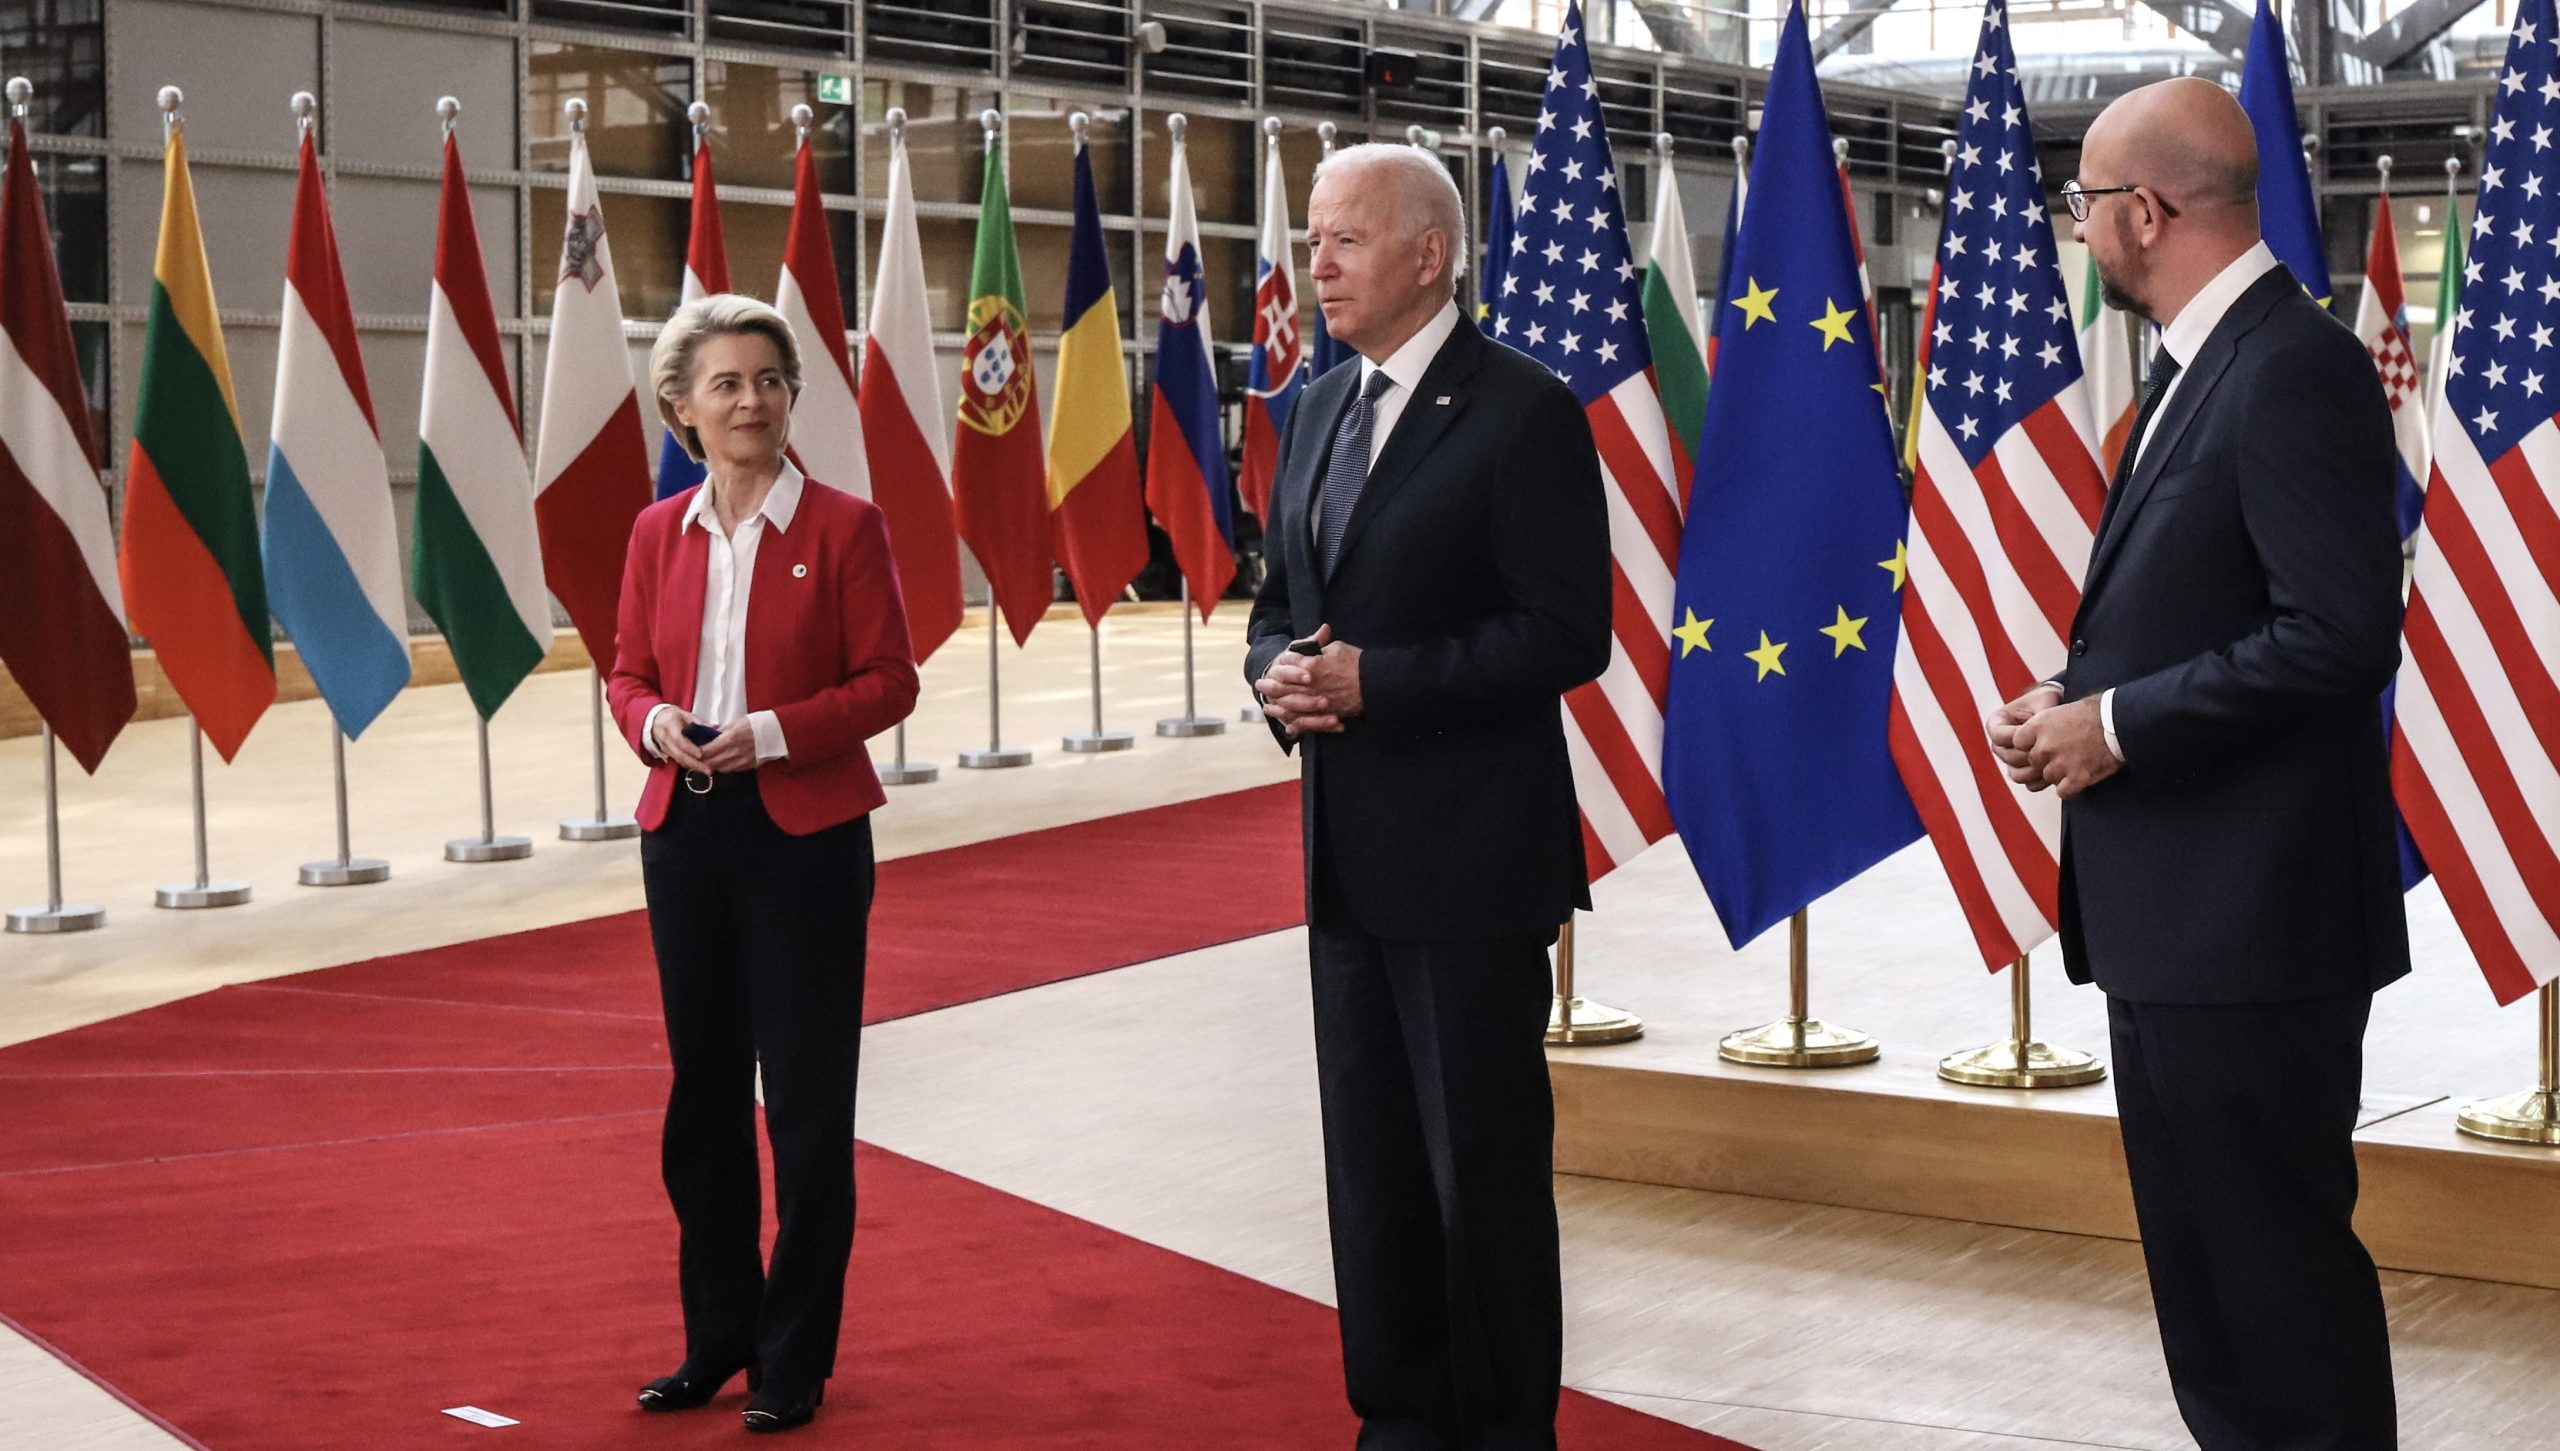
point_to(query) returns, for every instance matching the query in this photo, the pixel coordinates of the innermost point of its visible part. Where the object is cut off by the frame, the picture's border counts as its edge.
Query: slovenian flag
(331, 546)
(904, 425)
(1274, 378)
(1097, 521)
(706, 271)
(591, 461)
(1187, 484)
(193, 583)
(475, 551)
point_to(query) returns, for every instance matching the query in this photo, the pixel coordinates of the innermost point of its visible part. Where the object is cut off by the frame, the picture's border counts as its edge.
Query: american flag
(1570, 300)
(2004, 508)
(2476, 744)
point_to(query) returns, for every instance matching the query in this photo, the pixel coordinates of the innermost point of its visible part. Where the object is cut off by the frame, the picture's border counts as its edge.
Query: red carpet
(312, 1213)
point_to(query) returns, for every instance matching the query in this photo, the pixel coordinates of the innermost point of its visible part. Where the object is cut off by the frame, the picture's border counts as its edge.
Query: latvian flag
(1187, 483)
(332, 550)
(478, 565)
(706, 271)
(62, 632)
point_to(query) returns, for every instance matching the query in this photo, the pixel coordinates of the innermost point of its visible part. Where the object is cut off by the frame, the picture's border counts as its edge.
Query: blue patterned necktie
(1348, 467)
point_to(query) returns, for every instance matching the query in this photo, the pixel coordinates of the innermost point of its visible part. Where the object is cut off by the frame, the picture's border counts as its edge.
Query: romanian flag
(1187, 485)
(193, 582)
(1098, 523)
(997, 476)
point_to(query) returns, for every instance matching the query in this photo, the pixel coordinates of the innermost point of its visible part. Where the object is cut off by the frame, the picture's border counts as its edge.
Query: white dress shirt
(2182, 339)
(720, 671)
(1404, 369)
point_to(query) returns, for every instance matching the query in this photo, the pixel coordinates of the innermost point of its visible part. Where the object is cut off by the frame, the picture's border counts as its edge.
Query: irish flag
(904, 425)
(1672, 327)
(997, 475)
(1099, 523)
(2106, 351)
(591, 464)
(193, 585)
(62, 631)
(706, 271)
(478, 565)
(332, 550)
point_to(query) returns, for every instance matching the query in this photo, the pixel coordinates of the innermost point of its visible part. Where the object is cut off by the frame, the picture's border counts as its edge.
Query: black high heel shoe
(692, 1386)
(777, 1412)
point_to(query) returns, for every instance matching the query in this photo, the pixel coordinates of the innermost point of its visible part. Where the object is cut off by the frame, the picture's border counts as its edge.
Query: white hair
(722, 314)
(1427, 199)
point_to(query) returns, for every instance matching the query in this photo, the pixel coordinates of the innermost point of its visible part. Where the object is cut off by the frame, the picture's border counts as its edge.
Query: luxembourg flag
(826, 424)
(1274, 380)
(332, 550)
(706, 271)
(1187, 482)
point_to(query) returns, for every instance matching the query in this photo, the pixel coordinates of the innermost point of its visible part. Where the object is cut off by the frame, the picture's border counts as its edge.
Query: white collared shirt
(1404, 369)
(720, 670)
(2182, 339)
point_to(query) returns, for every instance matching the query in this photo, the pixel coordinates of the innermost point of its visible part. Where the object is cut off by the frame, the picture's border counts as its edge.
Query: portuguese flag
(999, 481)
(193, 585)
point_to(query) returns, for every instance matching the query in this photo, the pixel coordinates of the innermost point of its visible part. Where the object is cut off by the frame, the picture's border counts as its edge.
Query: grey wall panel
(239, 69)
(395, 367)
(387, 235)
(247, 216)
(387, 81)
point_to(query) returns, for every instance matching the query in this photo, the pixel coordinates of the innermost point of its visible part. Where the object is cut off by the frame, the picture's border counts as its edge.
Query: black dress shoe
(692, 1385)
(783, 1411)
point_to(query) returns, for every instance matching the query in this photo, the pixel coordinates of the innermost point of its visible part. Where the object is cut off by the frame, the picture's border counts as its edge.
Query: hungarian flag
(591, 460)
(1187, 484)
(1099, 524)
(62, 631)
(1273, 379)
(903, 421)
(474, 552)
(2106, 351)
(332, 549)
(1672, 327)
(826, 423)
(997, 473)
(192, 579)
(706, 271)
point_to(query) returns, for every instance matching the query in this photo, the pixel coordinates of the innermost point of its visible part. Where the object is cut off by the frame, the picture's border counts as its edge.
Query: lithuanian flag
(193, 585)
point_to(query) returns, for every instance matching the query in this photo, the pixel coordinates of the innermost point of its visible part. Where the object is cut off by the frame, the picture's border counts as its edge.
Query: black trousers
(1439, 1146)
(2237, 1130)
(760, 939)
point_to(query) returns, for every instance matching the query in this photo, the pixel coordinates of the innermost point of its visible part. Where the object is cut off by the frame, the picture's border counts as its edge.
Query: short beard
(2114, 292)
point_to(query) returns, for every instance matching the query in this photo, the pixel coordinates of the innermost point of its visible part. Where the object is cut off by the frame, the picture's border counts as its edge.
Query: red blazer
(827, 650)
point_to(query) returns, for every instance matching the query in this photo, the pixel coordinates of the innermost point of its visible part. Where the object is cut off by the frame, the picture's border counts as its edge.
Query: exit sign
(836, 90)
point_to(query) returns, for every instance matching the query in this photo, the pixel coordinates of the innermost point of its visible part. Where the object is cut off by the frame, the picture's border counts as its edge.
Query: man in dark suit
(1438, 578)
(2229, 869)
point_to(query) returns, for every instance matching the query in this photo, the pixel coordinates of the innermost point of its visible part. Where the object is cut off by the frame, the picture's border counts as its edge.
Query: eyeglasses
(2076, 197)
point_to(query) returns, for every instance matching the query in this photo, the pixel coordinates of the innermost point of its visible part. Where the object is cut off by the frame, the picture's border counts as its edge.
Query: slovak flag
(2382, 325)
(1187, 484)
(1274, 379)
(706, 271)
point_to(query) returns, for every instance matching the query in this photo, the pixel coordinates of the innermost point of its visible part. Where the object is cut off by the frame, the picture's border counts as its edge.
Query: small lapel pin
(1443, 400)
(799, 571)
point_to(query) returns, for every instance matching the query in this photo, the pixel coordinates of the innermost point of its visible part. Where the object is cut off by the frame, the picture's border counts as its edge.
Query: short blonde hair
(722, 314)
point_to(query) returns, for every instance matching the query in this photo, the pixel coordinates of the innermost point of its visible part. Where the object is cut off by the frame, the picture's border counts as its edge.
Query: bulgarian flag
(193, 584)
(1672, 327)
(826, 421)
(591, 463)
(332, 548)
(706, 271)
(475, 555)
(1100, 523)
(997, 474)
(62, 629)
(903, 421)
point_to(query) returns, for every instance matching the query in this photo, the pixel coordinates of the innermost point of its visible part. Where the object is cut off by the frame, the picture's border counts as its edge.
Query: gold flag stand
(1798, 1040)
(2533, 1116)
(1579, 1022)
(2019, 1061)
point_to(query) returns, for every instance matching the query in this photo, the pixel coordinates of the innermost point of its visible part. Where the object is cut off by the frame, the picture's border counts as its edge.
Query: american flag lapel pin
(1442, 401)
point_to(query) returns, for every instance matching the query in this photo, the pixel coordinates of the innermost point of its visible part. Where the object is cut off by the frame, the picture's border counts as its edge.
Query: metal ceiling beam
(2217, 23)
(1853, 22)
(1672, 28)
(2406, 33)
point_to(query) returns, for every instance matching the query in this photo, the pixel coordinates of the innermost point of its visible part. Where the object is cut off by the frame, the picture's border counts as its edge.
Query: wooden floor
(1174, 1101)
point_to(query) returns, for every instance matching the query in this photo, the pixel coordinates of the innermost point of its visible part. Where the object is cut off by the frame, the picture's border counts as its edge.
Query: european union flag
(1498, 208)
(1788, 602)
(2287, 216)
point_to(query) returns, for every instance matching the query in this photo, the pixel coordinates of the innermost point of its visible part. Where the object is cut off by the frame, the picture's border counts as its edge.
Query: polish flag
(908, 430)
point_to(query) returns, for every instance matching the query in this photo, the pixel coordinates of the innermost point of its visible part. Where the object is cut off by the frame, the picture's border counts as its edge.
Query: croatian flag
(332, 550)
(2382, 325)
(1272, 383)
(706, 271)
(1186, 457)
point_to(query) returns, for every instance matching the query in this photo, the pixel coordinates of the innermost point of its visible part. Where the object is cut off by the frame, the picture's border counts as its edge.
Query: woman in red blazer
(762, 642)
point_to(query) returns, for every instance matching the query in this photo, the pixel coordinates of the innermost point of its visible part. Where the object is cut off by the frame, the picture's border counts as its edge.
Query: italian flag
(193, 582)
(476, 558)
(1672, 327)
(591, 465)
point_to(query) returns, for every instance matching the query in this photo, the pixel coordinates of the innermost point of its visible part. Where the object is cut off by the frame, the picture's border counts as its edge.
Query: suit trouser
(1439, 1134)
(760, 939)
(2237, 1126)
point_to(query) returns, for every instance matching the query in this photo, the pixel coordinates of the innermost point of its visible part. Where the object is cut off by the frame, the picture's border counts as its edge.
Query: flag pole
(2019, 1061)
(1097, 740)
(2533, 1116)
(1798, 1040)
(55, 915)
(901, 771)
(488, 846)
(204, 892)
(604, 825)
(997, 755)
(1191, 723)
(348, 870)
(1576, 1021)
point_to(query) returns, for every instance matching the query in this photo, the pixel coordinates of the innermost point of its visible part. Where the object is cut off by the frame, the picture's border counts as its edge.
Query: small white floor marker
(477, 1416)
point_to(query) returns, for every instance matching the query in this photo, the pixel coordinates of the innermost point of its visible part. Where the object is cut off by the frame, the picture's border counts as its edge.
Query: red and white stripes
(1613, 726)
